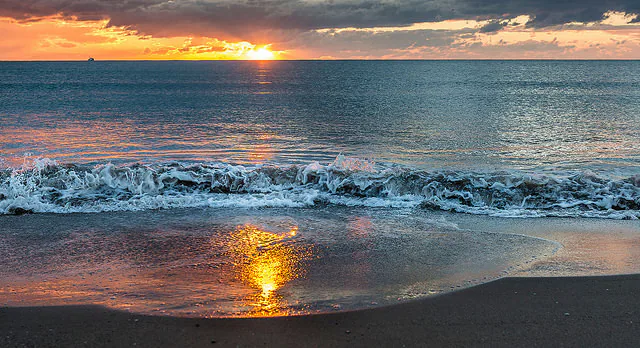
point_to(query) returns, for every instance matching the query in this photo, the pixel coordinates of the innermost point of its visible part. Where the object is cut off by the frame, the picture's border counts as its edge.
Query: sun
(262, 53)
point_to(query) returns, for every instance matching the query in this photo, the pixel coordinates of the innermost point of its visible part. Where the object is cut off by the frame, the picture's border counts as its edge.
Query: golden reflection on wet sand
(266, 261)
(249, 266)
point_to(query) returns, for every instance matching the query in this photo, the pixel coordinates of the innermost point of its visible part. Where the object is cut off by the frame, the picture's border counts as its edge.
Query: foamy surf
(48, 187)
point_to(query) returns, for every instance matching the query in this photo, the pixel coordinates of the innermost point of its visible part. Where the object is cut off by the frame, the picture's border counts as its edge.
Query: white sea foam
(45, 186)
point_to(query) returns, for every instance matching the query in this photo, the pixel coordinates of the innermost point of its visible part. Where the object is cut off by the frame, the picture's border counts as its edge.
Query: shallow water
(589, 246)
(266, 262)
(219, 262)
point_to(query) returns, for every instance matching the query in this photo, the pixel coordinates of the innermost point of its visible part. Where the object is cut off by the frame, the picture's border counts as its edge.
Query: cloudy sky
(319, 29)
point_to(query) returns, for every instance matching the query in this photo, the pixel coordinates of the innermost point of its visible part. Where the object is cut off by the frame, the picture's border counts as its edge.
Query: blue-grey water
(280, 187)
(489, 115)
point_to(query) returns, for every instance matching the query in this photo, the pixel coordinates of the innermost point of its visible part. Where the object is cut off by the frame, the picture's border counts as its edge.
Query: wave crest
(46, 186)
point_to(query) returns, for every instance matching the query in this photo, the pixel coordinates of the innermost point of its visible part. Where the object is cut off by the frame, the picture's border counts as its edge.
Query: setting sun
(262, 53)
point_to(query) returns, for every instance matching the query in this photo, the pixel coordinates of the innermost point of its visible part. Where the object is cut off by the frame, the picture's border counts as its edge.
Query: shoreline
(512, 311)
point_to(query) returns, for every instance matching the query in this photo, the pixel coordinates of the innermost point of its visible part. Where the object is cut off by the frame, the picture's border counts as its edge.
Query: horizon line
(318, 60)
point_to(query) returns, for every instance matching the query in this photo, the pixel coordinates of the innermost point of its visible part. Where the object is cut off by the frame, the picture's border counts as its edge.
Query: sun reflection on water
(266, 261)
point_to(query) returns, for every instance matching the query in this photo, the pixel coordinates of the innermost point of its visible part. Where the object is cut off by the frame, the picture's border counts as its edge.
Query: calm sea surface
(540, 116)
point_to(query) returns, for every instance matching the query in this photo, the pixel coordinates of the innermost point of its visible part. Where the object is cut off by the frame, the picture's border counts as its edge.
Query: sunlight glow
(59, 37)
(262, 53)
(68, 38)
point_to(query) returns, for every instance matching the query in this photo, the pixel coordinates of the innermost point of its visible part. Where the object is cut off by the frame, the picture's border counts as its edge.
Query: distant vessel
(91, 59)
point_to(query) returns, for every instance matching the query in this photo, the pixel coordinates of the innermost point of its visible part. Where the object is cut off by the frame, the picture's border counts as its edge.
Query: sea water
(181, 184)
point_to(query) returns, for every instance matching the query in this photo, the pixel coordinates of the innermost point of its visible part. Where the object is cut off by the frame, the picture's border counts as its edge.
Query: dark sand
(511, 312)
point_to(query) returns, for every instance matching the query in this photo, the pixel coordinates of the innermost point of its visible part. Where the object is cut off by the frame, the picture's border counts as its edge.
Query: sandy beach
(524, 312)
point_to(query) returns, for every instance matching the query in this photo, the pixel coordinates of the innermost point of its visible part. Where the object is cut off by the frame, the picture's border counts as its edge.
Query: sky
(319, 29)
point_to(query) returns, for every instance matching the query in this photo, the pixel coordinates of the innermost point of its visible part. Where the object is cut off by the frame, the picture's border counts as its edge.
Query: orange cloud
(58, 38)
(615, 36)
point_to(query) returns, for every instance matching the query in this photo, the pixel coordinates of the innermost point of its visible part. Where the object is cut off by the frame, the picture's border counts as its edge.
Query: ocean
(286, 187)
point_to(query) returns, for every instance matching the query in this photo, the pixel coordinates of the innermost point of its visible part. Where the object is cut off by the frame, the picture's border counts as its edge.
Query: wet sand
(569, 311)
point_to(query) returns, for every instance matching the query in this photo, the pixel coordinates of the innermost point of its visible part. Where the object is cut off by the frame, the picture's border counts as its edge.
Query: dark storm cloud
(492, 26)
(372, 42)
(244, 17)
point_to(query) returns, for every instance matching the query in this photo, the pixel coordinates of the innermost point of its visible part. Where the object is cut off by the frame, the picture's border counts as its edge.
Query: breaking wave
(48, 187)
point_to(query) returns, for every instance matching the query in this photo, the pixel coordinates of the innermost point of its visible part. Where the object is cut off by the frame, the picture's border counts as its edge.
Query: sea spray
(46, 186)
